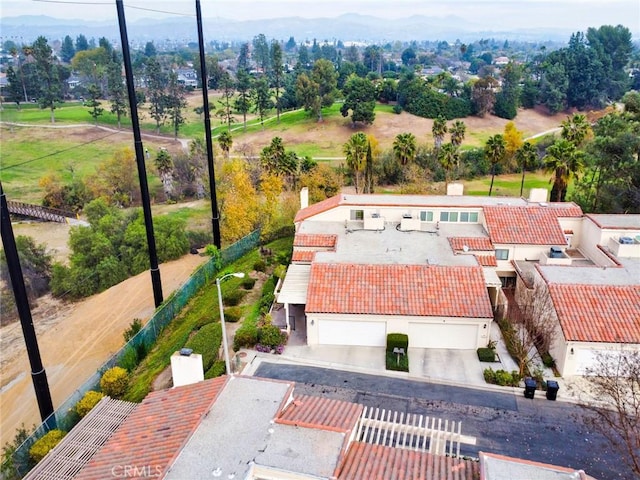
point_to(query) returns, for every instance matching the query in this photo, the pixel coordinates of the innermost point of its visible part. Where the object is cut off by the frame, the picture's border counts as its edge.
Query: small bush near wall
(397, 340)
(501, 377)
(396, 361)
(399, 363)
(486, 355)
(114, 382)
(248, 283)
(87, 402)
(232, 314)
(233, 297)
(45, 444)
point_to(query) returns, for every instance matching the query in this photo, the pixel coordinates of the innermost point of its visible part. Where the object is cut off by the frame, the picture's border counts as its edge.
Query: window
(426, 216)
(444, 216)
(502, 254)
(357, 214)
(473, 216)
(453, 216)
(468, 216)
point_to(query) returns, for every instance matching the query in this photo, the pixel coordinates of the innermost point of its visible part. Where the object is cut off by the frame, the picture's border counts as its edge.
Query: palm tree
(449, 158)
(438, 130)
(575, 129)
(457, 131)
(495, 149)
(526, 156)
(404, 148)
(164, 164)
(226, 142)
(566, 162)
(356, 152)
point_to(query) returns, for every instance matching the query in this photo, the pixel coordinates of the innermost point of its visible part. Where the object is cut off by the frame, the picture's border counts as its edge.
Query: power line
(111, 3)
(2, 169)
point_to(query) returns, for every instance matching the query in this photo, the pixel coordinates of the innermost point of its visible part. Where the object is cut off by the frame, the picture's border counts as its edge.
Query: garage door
(338, 332)
(443, 335)
(588, 359)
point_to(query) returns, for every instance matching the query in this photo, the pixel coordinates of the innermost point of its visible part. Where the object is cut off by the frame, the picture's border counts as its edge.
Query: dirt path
(75, 341)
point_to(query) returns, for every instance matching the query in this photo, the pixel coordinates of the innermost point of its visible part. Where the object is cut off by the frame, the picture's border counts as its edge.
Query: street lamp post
(225, 346)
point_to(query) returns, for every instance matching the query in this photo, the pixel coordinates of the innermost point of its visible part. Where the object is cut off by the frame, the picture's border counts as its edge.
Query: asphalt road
(534, 429)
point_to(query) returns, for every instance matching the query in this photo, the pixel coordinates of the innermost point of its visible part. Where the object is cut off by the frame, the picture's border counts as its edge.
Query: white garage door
(585, 359)
(443, 335)
(338, 332)
(588, 359)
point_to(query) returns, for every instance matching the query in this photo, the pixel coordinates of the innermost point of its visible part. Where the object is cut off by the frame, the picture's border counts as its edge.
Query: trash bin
(530, 386)
(552, 389)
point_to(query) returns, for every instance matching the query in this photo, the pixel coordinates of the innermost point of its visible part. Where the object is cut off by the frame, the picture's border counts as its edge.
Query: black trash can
(530, 386)
(552, 389)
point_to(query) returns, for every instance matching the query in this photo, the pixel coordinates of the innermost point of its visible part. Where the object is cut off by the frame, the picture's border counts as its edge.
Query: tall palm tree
(566, 162)
(495, 149)
(356, 152)
(575, 129)
(438, 130)
(449, 158)
(404, 148)
(457, 131)
(164, 164)
(526, 156)
(226, 142)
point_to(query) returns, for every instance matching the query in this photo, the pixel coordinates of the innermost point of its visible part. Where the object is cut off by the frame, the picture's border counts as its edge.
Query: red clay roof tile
(598, 313)
(303, 256)
(384, 289)
(315, 240)
(317, 208)
(531, 225)
(323, 413)
(487, 260)
(475, 244)
(366, 461)
(152, 436)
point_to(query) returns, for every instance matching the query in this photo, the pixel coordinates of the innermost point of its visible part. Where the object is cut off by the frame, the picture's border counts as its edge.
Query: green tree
(483, 95)
(81, 43)
(355, 151)
(155, 93)
(553, 87)
(508, 98)
(48, 76)
(175, 102)
(566, 162)
(164, 165)
(150, 50)
(225, 112)
(14, 88)
(360, 98)
(307, 95)
(243, 58)
(67, 51)
(404, 148)
(116, 88)
(225, 141)
(325, 76)
(495, 150)
(261, 95)
(261, 52)
(449, 159)
(576, 129)
(439, 130)
(276, 73)
(243, 101)
(457, 132)
(93, 102)
(368, 170)
(614, 48)
(526, 156)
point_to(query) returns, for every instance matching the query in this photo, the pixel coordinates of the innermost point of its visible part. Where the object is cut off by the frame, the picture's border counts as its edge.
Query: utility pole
(142, 174)
(215, 215)
(38, 375)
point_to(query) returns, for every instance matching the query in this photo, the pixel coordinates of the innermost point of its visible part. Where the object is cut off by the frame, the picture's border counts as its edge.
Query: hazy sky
(569, 14)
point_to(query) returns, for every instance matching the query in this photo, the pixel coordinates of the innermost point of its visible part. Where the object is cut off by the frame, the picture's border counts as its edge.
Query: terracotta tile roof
(565, 209)
(317, 208)
(315, 240)
(365, 461)
(303, 256)
(153, 435)
(487, 260)
(476, 244)
(598, 313)
(389, 289)
(525, 225)
(322, 413)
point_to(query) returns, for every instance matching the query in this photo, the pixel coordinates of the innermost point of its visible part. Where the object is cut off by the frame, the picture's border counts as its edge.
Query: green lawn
(507, 185)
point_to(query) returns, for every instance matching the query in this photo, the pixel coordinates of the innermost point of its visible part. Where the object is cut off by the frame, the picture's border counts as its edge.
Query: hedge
(397, 340)
(206, 342)
(486, 355)
(45, 444)
(90, 399)
(114, 382)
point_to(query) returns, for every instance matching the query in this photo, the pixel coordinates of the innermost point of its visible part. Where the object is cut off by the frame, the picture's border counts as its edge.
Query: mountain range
(348, 27)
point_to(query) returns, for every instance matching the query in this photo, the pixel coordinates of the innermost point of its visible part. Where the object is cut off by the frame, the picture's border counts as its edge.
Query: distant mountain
(348, 27)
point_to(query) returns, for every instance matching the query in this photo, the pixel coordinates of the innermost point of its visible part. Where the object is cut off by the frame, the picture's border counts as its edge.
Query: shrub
(233, 297)
(198, 238)
(114, 382)
(246, 336)
(280, 271)
(501, 377)
(397, 340)
(134, 328)
(271, 336)
(213, 252)
(218, 368)
(265, 302)
(548, 360)
(399, 364)
(260, 265)
(232, 314)
(206, 342)
(486, 355)
(248, 283)
(397, 109)
(87, 402)
(45, 444)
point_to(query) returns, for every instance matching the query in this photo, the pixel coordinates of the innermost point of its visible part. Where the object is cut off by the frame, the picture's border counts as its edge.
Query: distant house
(501, 61)
(187, 77)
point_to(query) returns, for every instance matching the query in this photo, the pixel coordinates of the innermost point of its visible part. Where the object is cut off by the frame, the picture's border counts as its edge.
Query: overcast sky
(568, 14)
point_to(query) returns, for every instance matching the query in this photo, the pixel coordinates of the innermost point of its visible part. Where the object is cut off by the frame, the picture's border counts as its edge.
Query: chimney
(538, 195)
(455, 189)
(186, 367)
(304, 197)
